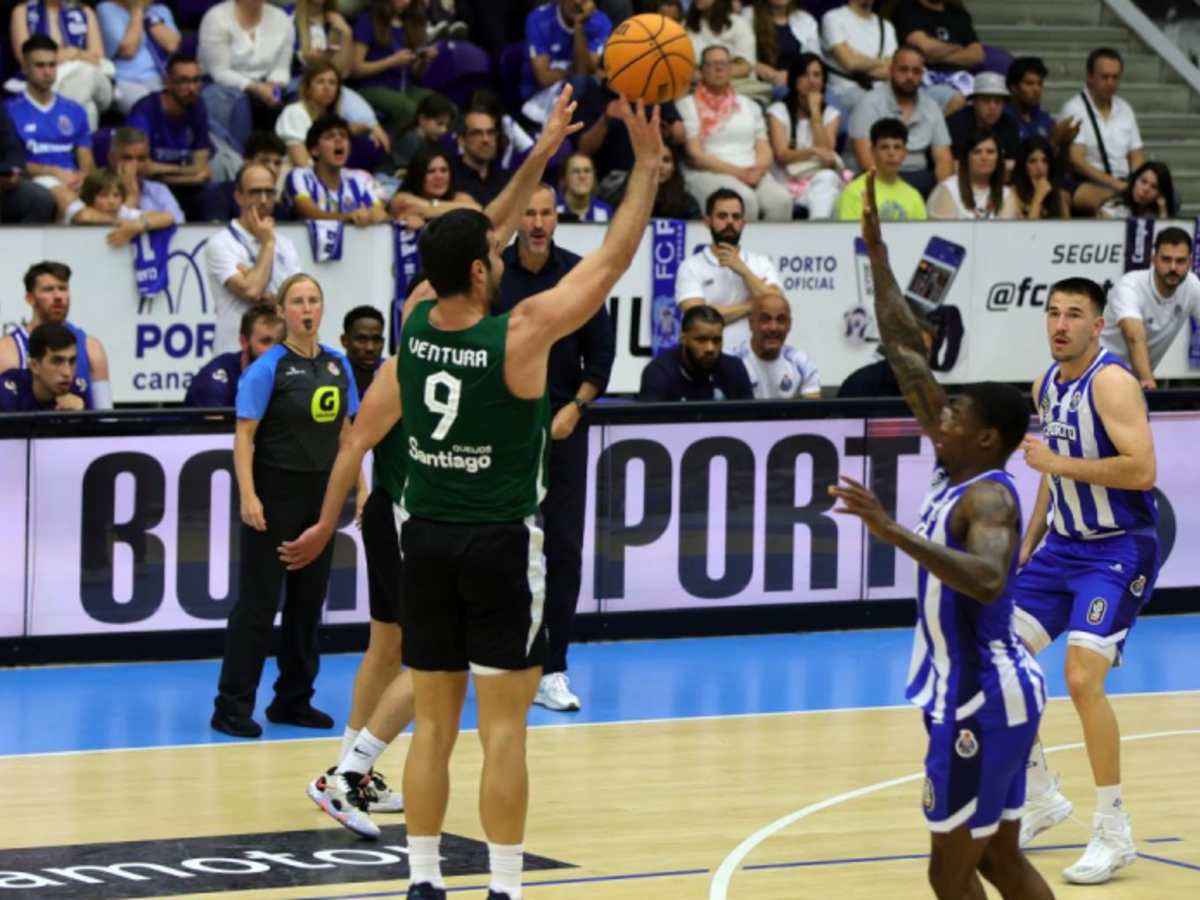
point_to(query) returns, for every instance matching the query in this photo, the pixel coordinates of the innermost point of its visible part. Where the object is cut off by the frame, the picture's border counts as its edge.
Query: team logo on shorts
(928, 798)
(1137, 587)
(1076, 401)
(966, 746)
(1098, 607)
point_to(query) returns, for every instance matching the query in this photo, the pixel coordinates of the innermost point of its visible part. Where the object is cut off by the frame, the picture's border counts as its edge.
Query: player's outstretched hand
(645, 134)
(559, 125)
(857, 500)
(871, 231)
(299, 553)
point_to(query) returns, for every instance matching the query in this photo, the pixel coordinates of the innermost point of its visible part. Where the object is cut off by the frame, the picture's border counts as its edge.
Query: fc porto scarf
(668, 249)
(326, 237)
(150, 254)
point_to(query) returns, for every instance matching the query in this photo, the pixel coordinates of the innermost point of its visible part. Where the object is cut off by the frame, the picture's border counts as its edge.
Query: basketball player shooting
(981, 692)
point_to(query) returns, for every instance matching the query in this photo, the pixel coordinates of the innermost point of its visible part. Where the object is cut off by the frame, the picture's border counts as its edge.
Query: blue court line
(1169, 862)
(1163, 840)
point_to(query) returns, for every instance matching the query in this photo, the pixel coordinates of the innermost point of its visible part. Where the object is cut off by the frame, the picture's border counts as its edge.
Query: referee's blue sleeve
(255, 387)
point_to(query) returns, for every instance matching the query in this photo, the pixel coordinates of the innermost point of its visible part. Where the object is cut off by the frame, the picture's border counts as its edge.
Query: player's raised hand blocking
(645, 134)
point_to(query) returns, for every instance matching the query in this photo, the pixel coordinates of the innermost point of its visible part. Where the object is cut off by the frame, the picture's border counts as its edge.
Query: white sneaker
(1043, 813)
(1110, 848)
(386, 799)
(347, 799)
(554, 693)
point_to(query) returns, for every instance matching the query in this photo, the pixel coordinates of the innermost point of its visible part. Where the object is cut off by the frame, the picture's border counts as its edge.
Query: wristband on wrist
(580, 403)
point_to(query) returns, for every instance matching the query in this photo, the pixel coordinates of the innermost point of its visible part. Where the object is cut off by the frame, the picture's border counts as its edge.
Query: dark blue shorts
(1093, 590)
(975, 777)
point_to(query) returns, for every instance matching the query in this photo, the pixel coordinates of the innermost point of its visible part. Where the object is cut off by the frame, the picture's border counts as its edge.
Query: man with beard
(902, 99)
(777, 370)
(362, 339)
(1148, 307)
(723, 275)
(696, 370)
(216, 384)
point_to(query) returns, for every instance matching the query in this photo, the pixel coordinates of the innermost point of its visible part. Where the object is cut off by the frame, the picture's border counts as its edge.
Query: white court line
(666, 720)
(725, 872)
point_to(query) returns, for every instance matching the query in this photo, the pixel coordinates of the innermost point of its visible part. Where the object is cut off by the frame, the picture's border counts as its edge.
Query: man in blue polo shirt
(216, 384)
(1025, 79)
(50, 381)
(563, 40)
(696, 369)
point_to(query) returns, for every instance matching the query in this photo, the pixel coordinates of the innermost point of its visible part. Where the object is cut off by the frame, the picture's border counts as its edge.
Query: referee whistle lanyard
(250, 250)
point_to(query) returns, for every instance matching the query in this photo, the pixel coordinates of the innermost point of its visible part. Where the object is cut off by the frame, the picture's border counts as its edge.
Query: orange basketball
(650, 57)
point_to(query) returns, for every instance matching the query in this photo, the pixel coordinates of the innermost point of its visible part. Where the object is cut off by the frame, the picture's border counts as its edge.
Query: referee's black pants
(562, 522)
(291, 503)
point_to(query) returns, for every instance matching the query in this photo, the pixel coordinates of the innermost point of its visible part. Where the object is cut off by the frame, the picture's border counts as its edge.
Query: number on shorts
(448, 408)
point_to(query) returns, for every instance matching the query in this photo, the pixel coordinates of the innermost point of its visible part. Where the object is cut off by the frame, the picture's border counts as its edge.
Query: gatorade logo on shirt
(325, 404)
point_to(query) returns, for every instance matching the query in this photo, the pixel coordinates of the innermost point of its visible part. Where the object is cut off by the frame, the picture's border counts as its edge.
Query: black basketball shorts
(473, 596)
(382, 549)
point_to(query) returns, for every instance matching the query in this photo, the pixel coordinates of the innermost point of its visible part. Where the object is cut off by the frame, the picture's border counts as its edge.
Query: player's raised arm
(506, 210)
(565, 308)
(902, 339)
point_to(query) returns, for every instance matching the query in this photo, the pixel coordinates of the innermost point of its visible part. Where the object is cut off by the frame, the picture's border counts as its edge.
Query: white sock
(1108, 800)
(425, 860)
(505, 862)
(349, 736)
(1037, 775)
(363, 754)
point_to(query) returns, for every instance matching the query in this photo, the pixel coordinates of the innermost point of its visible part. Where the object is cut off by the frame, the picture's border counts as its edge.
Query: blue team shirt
(172, 141)
(50, 135)
(546, 35)
(16, 393)
(364, 33)
(1040, 126)
(83, 371)
(967, 660)
(217, 383)
(1072, 427)
(599, 211)
(664, 380)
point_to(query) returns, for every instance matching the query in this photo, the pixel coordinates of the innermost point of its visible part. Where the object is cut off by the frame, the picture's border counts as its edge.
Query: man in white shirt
(1102, 162)
(723, 275)
(247, 261)
(1147, 308)
(858, 43)
(328, 190)
(777, 370)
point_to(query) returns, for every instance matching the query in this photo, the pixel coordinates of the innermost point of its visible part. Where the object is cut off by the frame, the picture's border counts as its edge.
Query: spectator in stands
(48, 293)
(696, 370)
(577, 200)
(152, 203)
(263, 149)
(673, 200)
(986, 110)
(1037, 182)
(428, 189)
(323, 35)
(246, 49)
(139, 38)
(321, 92)
(513, 142)
(1148, 308)
(215, 385)
(903, 99)
(879, 378)
(777, 370)
(58, 143)
(328, 191)
(176, 123)
(977, 191)
(1149, 194)
(563, 42)
(727, 144)
(668, 9)
(362, 339)
(711, 23)
(477, 171)
(782, 32)
(1025, 80)
(49, 382)
(1109, 144)
(102, 201)
(434, 116)
(391, 49)
(79, 48)
(898, 200)
(803, 132)
(858, 45)
(21, 200)
(247, 262)
(724, 275)
(606, 140)
(946, 35)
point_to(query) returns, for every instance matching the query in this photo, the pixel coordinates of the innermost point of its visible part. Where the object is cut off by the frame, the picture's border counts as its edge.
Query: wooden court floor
(639, 810)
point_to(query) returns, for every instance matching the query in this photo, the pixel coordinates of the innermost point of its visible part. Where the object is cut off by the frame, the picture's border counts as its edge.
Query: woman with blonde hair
(321, 91)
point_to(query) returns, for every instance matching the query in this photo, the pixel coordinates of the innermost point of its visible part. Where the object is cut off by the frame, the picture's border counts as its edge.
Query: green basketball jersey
(476, 453)
(391, 463)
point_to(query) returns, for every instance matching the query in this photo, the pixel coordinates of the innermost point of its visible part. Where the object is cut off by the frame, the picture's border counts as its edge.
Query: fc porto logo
(966, 746)
(221, 375)
(1137, 587)
(1045, 408)
(786, 384)
(64, 125)
(1098, 607)
(1075, 402)
(928, 797)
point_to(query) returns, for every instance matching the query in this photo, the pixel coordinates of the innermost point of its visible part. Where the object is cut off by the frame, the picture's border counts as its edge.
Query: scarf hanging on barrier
(407, 264)
(150, 254)
(157, 53)
(668, 249)
(72, 23)
(326, 237)
(1139, 243)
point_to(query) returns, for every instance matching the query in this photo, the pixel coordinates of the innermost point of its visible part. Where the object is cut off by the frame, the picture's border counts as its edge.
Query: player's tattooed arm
(903, 340)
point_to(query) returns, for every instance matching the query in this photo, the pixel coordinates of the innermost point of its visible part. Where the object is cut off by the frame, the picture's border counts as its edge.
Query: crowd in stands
(137, 116)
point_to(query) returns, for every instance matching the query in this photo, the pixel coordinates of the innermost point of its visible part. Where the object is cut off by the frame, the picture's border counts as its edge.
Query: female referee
(294, 405)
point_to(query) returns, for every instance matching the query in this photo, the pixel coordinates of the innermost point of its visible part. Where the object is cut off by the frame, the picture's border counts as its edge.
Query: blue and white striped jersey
(967, 661)
(1072, 427)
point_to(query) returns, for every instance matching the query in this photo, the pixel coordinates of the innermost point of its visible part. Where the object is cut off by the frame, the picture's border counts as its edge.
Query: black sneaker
(496, 895)
(235, 724)
(426, 891)
(303, 717)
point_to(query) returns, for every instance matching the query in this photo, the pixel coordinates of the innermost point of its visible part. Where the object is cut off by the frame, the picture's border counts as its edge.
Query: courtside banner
(13, 471)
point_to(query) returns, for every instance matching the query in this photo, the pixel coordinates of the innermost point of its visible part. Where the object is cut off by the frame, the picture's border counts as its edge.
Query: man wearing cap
(986, 110)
